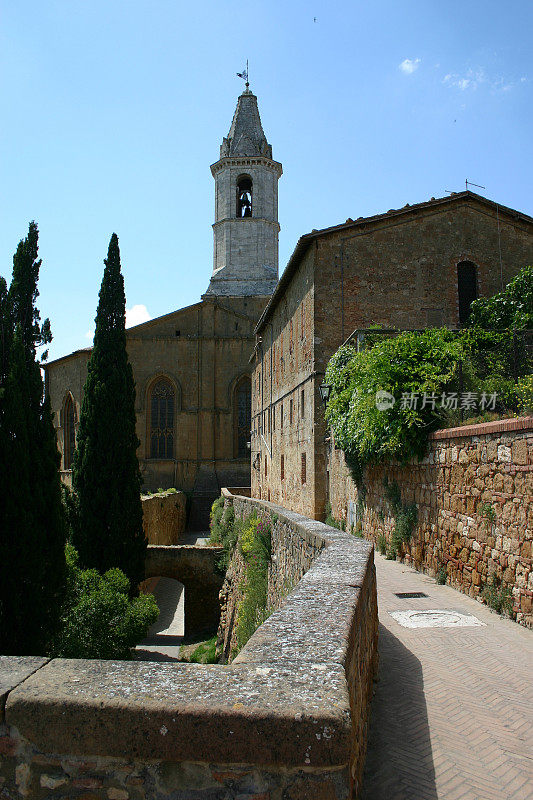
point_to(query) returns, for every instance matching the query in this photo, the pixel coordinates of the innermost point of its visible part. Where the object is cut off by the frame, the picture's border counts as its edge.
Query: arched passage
(170, 598)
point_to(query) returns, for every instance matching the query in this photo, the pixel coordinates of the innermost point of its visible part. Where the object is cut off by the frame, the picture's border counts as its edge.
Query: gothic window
(242, 404)
(244, 196)
(162, 403)
(69, 432)
(466, 288)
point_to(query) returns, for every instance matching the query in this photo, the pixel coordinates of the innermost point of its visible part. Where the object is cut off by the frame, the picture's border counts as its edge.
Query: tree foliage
(99, 619)
(512, 308)
(108, 530)
(407, 363)
(491, 351)
(32, 524)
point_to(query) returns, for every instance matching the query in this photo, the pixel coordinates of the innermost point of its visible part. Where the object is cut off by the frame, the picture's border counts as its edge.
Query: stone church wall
(474, 494)
(288, 719)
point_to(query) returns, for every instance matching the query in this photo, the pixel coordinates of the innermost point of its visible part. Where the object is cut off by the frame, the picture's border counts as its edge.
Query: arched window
(162, 403)
(466, 288)
(244, 196)
(69, 432)
(242, 405)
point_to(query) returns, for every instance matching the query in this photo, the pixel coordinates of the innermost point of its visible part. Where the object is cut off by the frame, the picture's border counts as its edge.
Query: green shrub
(524, 392)
(205, 653)
(498, 596)
(99, 619)
(381, 544)
(487, 512)
(441, 575)
(252, 610)
(215, 526)
(330, 519)
(408, 363)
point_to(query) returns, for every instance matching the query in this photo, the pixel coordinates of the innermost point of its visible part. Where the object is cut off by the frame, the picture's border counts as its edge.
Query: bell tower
(246, 228)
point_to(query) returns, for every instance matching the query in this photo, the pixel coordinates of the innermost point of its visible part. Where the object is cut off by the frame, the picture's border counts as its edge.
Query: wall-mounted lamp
(325, 391)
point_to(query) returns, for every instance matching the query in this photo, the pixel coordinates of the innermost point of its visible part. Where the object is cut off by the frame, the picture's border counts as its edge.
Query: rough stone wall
(293, 551)
(474, 493)
(287, 719)
(164, 517)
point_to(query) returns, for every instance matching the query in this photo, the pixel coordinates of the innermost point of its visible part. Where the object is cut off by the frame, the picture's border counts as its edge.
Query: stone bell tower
(246, 229)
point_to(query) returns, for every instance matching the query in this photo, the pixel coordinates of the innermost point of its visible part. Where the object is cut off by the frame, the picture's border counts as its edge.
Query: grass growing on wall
(256, 548)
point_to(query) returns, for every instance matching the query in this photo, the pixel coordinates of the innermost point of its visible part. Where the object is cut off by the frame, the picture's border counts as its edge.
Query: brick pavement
(452, 714)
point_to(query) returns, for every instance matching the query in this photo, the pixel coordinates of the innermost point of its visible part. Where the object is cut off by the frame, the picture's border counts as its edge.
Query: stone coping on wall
(485, 428)
(283, 701)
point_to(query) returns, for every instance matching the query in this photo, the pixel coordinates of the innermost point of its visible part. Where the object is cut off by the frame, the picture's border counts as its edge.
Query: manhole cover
(434, 618)
(410, 595)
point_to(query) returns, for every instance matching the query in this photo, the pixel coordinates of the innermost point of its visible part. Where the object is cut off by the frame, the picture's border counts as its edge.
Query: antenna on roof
(469, 183)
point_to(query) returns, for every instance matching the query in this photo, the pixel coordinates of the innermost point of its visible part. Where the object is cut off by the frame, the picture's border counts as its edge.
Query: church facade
(192, 366)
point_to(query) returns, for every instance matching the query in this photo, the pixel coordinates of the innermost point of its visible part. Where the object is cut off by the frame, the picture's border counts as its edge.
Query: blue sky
(113, 112)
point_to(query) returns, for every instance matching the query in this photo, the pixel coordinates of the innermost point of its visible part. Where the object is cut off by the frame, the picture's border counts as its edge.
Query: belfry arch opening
(466, 288)
(244, 196)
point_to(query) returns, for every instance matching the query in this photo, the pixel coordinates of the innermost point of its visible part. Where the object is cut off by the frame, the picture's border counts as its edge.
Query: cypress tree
(108, 531)
(32, 529)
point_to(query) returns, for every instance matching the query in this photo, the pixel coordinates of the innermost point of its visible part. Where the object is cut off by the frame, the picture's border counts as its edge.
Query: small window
(244, 197)
(266, 466)
(281, 416)
(302, 403)
(273, 418)
(466, 289)
(69, 432)
(290, 412)
(282, 467)
(304, 469)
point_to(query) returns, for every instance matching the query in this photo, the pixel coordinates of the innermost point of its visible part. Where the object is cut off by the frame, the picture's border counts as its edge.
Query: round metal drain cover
(434, 618)
(437, 618)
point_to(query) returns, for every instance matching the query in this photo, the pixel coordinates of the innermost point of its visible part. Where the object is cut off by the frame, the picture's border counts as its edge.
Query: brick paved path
(452, 714)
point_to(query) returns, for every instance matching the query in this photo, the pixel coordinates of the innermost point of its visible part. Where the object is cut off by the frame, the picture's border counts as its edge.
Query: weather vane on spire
(244, 75)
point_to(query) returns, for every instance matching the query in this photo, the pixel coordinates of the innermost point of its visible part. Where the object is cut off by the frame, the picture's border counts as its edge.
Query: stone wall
(293, 551)
(164, 517)
(474, 493)
(287, 720)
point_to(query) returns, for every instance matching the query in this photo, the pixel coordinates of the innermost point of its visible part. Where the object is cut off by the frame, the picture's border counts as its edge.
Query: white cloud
(89, 335)
(137, 314)
(472, 79)
(409, 65)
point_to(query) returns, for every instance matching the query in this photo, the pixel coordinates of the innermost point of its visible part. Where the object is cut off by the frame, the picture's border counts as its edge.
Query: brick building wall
(474, 495)
(283, 401)
(399, 270)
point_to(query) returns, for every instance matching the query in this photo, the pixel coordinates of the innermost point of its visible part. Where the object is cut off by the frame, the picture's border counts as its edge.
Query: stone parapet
(288, 719)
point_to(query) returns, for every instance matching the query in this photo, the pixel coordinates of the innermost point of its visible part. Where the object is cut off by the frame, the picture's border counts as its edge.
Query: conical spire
(246, 136)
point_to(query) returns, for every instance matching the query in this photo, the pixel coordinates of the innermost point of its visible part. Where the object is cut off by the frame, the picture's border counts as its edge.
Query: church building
(192, 366)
